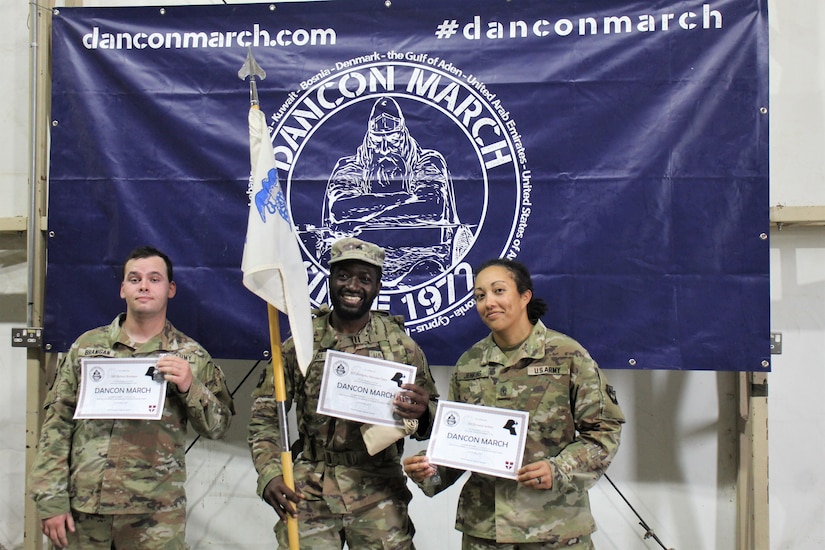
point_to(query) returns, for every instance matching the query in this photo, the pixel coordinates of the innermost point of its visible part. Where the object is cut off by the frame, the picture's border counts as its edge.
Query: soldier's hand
(55, 528)
(278, 495)
(175, 369)
(412, 402)
(418, 468)
(537, 475)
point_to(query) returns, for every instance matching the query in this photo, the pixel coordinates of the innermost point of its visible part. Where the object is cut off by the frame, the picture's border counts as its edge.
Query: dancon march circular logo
(411, 153)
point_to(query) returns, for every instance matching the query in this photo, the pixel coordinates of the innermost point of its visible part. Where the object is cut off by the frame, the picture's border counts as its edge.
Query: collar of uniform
(532, 348)
(165, 341)
(331, 338)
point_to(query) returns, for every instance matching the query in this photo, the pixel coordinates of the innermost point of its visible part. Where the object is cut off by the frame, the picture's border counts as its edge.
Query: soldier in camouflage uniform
(574, 430)
(119, 484)
(343, 491)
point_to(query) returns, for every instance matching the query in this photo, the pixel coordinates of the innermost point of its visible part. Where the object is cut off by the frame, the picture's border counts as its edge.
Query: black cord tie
(649, 534)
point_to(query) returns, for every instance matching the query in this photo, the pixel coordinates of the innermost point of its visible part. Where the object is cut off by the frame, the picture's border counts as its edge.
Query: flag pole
(252, 70)
(280, 397)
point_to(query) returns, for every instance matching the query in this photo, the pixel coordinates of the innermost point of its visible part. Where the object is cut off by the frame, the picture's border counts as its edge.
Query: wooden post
(753, 515)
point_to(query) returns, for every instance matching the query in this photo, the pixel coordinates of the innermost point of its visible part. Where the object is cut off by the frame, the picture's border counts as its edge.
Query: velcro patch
(95, 352)
(543, 369)
(611, 393)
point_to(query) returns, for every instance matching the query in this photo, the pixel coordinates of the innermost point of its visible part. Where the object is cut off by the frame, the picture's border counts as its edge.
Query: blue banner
(618, 148)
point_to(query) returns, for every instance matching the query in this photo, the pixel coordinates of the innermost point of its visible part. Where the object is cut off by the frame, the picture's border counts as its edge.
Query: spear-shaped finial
(251, 69)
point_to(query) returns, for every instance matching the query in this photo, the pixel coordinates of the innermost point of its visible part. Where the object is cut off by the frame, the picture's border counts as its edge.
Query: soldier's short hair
(149, 252)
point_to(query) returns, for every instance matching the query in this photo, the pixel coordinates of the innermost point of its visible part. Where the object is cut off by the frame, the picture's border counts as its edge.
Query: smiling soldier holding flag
(348, 485)
(273, 269)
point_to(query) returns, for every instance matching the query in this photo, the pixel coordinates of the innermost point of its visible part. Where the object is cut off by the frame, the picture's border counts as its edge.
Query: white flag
(272, 265)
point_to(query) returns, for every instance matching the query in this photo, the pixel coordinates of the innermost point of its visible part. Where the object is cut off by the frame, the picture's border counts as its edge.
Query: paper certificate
(482, 439)
(360, 388)
(120, 388)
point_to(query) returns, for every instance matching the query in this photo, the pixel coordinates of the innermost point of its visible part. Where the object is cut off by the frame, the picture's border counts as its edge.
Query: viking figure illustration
(393, 185)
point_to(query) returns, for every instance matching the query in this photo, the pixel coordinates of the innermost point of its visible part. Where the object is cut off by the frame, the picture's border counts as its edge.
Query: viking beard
(386, 169)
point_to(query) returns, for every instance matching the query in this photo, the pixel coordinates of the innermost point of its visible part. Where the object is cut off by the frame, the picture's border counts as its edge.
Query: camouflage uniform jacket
(124, 466)
(333, 464)
(575, 425)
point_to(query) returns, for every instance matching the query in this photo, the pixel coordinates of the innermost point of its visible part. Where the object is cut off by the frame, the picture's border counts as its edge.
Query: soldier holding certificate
(574, 423)
(118, 483)
(349, 485)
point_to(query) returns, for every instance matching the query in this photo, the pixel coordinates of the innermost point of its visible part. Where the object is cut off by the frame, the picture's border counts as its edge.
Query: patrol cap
(350, 248)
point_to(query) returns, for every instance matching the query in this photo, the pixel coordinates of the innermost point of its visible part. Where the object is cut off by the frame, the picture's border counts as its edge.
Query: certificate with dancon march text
(487, 440)
(361, 388)
(127, 388)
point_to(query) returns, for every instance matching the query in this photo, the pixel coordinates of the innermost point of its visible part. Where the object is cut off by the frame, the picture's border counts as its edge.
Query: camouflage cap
(350, 248)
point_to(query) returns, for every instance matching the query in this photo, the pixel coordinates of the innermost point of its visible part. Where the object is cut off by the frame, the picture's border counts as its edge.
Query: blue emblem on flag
(270, 198)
